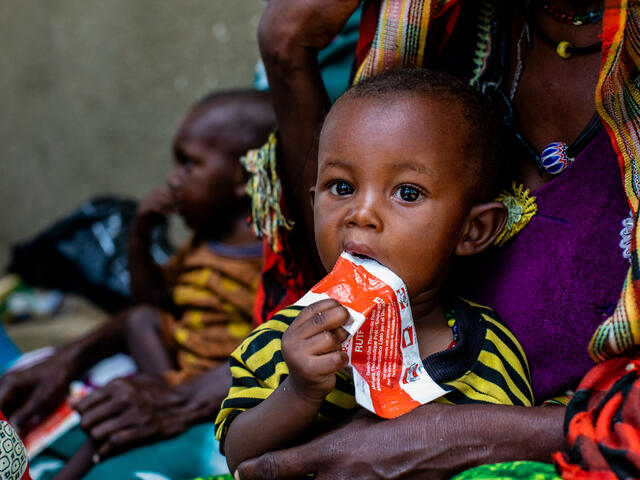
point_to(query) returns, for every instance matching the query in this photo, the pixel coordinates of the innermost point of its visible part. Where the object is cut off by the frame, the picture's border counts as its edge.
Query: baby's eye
(407, 193)
(341, 188)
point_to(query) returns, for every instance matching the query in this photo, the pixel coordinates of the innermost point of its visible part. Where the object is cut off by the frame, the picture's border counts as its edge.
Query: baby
(408, 165)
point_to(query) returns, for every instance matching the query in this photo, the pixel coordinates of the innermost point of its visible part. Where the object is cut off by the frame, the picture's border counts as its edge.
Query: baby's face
(392, 186)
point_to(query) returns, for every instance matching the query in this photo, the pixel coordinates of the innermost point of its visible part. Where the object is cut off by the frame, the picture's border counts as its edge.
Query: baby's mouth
(361, 251)
(365, 257)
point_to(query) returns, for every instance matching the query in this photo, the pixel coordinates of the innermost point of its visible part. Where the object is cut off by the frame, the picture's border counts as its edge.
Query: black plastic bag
(86, 253)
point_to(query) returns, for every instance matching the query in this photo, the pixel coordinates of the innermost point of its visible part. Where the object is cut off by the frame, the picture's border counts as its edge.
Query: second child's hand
(147, 281)
(154, 208)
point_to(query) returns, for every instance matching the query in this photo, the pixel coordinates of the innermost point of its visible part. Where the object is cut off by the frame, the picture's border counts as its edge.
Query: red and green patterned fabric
(521, 470)
(603, 423)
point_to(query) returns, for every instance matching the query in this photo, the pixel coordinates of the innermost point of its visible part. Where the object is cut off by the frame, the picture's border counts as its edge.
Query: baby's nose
(364, 215)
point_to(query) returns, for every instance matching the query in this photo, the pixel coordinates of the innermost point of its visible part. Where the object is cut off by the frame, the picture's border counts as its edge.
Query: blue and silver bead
(554, 158)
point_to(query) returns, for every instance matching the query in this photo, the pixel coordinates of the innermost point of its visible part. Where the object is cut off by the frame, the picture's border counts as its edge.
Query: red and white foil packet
(383, 351)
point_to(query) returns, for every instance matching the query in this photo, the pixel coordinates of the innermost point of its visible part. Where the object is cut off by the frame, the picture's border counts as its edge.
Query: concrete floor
(76, 318)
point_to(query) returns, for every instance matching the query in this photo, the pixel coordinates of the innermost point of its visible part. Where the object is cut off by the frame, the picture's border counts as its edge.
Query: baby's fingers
(325, 342)
(330, 362)
(341, 334)
(325, 315)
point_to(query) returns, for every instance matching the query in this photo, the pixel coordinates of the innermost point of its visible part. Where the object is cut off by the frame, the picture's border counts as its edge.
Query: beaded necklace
(572, 18)
(554, 158)
(451, 321)
(564, 48)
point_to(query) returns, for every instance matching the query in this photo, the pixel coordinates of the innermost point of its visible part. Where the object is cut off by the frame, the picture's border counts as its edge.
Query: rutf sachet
(388, 374)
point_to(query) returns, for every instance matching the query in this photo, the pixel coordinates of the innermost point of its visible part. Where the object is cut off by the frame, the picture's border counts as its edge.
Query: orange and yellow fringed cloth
(265, 193)
(618, 104)
(281, 284)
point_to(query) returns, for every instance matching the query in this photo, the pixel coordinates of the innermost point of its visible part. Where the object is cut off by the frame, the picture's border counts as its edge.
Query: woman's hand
(296, 24)
(311, 347)
(433, 441)
(131, 411)
(27, 396)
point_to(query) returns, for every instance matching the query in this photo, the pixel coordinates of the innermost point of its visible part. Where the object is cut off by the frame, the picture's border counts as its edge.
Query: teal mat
(193, 454)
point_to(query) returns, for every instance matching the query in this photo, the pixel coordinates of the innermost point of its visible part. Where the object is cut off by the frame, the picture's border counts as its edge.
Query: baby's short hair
(484, 131)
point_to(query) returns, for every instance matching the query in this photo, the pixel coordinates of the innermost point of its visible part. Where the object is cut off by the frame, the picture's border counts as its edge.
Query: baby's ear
(483, 225)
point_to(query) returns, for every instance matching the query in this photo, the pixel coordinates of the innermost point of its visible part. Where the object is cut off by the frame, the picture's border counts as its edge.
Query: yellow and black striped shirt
(487, 365)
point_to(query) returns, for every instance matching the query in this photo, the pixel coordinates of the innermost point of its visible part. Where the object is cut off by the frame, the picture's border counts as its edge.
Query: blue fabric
(8, 351)
(194, 453)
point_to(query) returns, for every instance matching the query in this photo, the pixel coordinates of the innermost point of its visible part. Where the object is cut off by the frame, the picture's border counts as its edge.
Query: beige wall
(91, 90)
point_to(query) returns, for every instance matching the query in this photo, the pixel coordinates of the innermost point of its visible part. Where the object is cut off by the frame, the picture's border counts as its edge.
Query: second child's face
(392, 186)
(203, 178)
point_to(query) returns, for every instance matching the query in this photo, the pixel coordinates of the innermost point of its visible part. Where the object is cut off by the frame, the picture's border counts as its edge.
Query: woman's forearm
(482, 434)
(104, 341)
(450, 439)
(300, 102)
(147, 280)
(433, 441)
(290, 35)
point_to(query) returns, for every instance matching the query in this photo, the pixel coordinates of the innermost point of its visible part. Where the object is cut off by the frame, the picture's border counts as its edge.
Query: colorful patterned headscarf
(400, 35)
(618, 103)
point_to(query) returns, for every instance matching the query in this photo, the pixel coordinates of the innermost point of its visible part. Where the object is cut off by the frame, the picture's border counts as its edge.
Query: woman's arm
(290, 35)
(433, 441)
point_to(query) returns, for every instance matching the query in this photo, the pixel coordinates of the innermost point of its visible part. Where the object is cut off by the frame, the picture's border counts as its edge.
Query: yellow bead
(451, 323)
(563, 49)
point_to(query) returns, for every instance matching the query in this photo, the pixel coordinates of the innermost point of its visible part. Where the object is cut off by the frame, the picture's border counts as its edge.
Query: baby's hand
(311, 349)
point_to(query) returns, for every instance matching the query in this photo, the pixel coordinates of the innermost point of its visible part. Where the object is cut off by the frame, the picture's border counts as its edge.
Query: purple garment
(562, 275)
